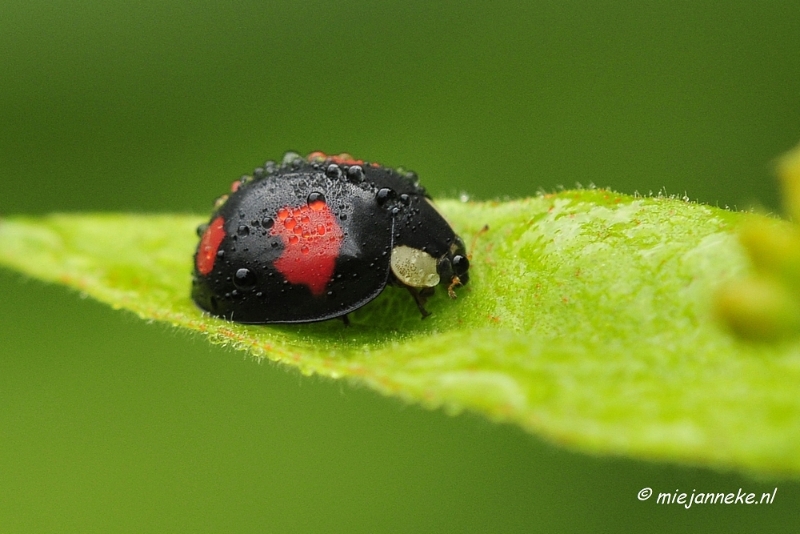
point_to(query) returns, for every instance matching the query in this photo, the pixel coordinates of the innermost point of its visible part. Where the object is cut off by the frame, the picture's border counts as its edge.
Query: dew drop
(385, 194)
(267, 222)
(356, 173)
(289, 223)
(304, 249)
(201, 229)
(333, 171)
(412, 177)
(244, 279)
(316, 201)
(321, 229)
(243, 230)
(290, 157)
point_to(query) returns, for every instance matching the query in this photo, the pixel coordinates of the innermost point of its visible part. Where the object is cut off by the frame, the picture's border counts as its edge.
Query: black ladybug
(316, 238)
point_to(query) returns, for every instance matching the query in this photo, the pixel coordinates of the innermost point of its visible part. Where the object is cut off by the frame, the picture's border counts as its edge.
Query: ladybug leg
(345, 319)
(420, 297)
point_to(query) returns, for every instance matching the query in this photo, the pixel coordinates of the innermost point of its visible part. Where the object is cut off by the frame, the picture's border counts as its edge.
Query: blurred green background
(110, 424)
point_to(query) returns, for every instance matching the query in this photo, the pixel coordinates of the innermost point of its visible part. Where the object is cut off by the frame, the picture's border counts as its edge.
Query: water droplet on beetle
(333, 171)
(244, 278)
(243, 230)
(290, 157)
(412, 177)
(385, 194)
(316, 200)
(201, 229)
(356, 173)
(267, 222)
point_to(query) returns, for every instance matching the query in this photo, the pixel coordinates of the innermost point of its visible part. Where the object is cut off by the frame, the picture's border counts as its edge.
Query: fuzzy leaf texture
(588, 321)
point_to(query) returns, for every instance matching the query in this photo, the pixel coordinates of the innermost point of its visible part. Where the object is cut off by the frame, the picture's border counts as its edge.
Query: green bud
(758, 309)
(774, 248)
(789, 174)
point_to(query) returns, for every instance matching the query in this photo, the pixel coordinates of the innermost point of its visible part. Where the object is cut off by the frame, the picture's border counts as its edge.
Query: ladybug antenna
(475, 240)
(455, 282)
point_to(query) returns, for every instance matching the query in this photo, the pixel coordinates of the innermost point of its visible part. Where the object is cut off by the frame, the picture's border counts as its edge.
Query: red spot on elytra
(311, 240)
(209, 245)
(340, 159)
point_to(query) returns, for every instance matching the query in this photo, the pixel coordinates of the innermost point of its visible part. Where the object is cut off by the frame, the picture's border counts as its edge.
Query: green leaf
(588, 321)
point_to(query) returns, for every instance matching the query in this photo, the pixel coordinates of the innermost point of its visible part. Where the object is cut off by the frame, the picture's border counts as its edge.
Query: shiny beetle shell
(316, 238)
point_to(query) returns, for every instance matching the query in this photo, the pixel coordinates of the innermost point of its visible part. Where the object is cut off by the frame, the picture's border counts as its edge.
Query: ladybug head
(416, 268)
(453, 266)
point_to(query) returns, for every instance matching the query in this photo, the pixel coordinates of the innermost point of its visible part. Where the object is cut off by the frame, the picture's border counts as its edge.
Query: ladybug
(316, 238)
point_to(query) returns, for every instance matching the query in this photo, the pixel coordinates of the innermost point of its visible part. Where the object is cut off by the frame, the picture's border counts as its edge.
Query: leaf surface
(588, 321)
